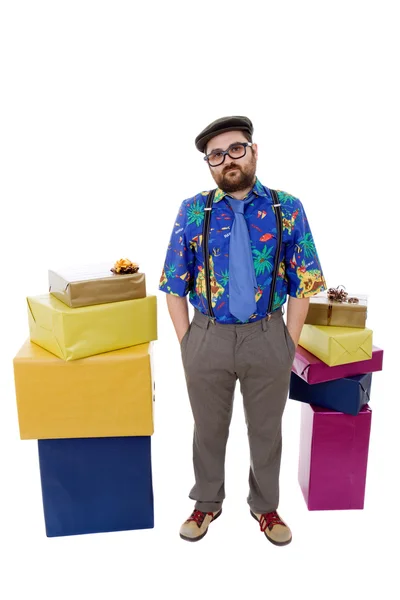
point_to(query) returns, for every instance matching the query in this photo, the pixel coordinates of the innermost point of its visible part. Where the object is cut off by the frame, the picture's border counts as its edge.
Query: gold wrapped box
(73, 333)
(337, 345)
(105, 395)
(323, 311)
(87, 286)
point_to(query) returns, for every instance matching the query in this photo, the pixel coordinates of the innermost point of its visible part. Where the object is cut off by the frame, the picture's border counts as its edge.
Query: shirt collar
(257, 189)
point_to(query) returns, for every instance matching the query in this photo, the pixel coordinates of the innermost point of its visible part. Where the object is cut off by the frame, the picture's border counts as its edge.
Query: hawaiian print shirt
(299, 274)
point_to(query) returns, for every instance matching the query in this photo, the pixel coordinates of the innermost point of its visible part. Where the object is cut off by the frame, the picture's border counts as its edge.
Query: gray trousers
(214, 356)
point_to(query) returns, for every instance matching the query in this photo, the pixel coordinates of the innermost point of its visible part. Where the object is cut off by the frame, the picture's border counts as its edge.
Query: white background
(99, 107)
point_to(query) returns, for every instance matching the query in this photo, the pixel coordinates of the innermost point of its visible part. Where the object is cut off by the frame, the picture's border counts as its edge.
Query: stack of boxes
(331, 376)
(85, 390)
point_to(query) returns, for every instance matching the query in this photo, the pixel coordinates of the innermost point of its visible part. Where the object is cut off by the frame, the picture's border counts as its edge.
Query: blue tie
(242, 278)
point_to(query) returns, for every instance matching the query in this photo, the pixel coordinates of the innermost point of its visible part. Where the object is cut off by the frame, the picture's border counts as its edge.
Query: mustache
(230, 168)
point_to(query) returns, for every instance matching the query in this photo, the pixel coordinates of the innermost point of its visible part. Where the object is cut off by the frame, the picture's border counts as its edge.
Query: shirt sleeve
(303, 268)
(177, 276)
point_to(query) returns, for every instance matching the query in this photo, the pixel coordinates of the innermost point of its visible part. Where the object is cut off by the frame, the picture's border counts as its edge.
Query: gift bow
(124, 266)
(340, 295)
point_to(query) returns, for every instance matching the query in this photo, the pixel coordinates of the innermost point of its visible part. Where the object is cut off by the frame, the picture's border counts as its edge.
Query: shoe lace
(198, 516)
(269, 520)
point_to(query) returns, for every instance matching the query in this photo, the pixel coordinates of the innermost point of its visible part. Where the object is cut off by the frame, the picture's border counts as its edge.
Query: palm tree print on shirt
(285, 198)
(262, 260)
(299, 275)
(224, 277)
(170, 271)
(307, 243)
(195, 213)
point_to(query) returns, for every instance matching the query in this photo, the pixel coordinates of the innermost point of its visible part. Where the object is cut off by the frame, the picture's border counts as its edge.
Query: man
(223, 253)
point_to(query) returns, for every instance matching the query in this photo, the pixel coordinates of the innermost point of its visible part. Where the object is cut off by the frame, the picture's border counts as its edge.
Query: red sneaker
(196, 526)
(273, 527)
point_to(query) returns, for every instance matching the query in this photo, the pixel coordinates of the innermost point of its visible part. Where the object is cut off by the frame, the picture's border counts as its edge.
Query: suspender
(278, 216)
(206, 231)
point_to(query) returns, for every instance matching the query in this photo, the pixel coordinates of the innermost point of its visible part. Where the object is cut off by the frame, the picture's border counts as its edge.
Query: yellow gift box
(337, 345)
(105, 395)
(73, 333)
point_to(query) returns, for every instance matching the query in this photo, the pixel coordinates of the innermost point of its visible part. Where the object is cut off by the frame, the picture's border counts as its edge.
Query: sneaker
(274, 528)
(197, 524)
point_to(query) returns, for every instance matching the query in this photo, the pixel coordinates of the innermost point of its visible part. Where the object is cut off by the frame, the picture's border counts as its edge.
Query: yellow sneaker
(274, 528)
(196, 526)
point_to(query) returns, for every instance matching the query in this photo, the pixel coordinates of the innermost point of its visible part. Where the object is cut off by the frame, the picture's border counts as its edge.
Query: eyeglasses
(217, 157)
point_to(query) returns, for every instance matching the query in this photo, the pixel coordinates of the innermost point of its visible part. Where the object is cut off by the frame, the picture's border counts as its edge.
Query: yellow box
(337, 345)
(105, 395)
(73, 333)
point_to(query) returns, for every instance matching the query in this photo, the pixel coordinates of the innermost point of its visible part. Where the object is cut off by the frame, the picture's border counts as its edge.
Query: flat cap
(221, 126)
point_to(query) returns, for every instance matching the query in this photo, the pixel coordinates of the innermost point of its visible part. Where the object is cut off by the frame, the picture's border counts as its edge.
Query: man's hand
(181, 338)
(296, 315)
(179, 313)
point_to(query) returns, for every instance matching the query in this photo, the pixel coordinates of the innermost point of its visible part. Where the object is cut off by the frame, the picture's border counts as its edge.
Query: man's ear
(255, 149)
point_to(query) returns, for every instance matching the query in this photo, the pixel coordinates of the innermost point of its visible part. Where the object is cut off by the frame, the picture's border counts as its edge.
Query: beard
(235, 177)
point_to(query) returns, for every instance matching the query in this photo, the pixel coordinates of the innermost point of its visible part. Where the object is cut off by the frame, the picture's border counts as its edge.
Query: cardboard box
(333, 458)
(105, 395)
(96, 485)
(347, 395)
(73, 333)
(95, 284)
(337, 345)
(313, 370)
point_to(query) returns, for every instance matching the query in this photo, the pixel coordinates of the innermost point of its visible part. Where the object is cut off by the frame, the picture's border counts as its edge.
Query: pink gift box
(313, 370)
(333, 457)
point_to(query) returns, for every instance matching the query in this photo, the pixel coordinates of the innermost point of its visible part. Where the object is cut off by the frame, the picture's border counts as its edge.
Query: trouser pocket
(184, 341)
(289, 342)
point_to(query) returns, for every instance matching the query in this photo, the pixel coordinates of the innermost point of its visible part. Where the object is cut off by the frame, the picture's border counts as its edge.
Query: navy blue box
(93, 485)
(346, 395)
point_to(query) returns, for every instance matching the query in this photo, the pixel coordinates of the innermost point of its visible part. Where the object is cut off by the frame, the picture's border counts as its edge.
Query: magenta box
(313, 370)
(333, 457)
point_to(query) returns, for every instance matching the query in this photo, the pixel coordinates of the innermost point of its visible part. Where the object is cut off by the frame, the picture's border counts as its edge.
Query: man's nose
(229, 162)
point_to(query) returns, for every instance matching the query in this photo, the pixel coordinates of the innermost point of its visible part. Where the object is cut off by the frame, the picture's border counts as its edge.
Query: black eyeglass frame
(226, 152)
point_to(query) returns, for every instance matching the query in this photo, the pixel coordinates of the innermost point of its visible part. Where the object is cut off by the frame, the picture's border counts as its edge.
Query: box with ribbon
(97, 284)
(337, 308)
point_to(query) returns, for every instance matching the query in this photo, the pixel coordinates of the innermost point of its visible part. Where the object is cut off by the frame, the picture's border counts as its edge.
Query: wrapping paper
(94, 284)
(333, 458)
(73, 333)
(105, 395)
(96, 485)
(337, 345)
(347, 395)
(313, 370)
(323, 311)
